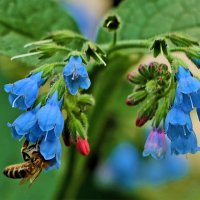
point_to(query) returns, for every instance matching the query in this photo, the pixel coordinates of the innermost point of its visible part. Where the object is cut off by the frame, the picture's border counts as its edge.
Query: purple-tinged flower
(188, 90)
(75, 75)
(156, 144)
(49, 117)
(23, 93)
(178, 123)
(184, 145)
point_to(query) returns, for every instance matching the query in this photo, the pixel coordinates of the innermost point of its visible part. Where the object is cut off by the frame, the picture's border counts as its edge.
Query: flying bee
(31, 168)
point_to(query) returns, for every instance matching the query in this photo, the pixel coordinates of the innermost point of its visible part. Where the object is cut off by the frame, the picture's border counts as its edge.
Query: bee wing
(35, 176)
(24, 180)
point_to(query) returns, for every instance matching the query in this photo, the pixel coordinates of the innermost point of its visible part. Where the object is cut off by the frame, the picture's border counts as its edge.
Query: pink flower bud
(83, 146)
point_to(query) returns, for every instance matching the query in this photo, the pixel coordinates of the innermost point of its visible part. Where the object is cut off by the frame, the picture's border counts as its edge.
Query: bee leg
(23, 150)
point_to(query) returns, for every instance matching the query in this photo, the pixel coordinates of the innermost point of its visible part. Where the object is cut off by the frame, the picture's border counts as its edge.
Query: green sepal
(58, 86)
(94, 51)
(48, 50)
(48, 69)
(181, 40)
(149, 106)
(159, 46)
(76, 127)
(161, 111)
(60, 37)
(171, 95)
(85, 99)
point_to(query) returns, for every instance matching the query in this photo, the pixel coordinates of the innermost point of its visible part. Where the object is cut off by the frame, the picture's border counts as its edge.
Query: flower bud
(93, 51)
(140, 121)
(136, 97)
(112, 23)
(143, 70)
(161, 69)
(152, 68)
(136, 78)
(147, 110)
(82, 146)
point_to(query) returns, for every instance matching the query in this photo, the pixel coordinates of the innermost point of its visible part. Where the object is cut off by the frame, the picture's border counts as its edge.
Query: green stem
(114, 38)
(97, 119)
(176, 49)
(126, 44)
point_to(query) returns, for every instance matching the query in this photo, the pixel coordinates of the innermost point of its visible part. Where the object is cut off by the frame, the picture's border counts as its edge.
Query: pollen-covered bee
(31, 168)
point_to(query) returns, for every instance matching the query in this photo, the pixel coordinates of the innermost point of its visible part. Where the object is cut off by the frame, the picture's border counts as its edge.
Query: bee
(31, 168)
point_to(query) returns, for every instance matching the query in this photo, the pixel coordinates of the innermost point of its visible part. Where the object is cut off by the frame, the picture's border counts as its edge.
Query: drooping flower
(156, 144)
(178, 123)
(49, 117)
(48, 146)
(75, 75)
(40, 121)
(83, 146)
(188, 90)
(23, 124)
(184, 144)
(23, 93)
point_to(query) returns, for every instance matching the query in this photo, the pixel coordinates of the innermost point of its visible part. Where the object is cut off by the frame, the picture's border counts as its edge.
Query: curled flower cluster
(169, 107)
(43, 121)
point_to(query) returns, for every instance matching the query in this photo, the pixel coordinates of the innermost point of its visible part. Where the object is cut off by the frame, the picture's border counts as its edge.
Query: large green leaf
(146, 18)
(22, 21)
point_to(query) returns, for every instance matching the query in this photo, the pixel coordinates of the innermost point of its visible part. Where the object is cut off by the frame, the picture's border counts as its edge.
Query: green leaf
(26, 21)
(146, 18)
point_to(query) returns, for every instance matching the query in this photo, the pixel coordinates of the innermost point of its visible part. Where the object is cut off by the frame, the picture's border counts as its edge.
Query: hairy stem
(126, 44)
(104, 92)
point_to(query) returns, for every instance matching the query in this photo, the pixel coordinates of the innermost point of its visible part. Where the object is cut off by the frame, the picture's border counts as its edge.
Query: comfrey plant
(167, 98)
(55, 103)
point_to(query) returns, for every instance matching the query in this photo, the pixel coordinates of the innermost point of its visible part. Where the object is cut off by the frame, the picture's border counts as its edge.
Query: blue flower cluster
(178, 124)
(44, 123)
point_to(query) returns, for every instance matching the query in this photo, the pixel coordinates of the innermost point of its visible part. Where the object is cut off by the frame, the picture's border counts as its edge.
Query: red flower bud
(140, 121)
(129, 102)
(131, 75)
(83, 146)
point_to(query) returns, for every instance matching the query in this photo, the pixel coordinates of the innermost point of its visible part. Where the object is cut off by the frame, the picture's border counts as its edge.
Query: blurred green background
(111, 121)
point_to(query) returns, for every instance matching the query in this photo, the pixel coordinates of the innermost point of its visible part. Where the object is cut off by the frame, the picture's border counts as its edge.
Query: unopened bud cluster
(150, 81)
